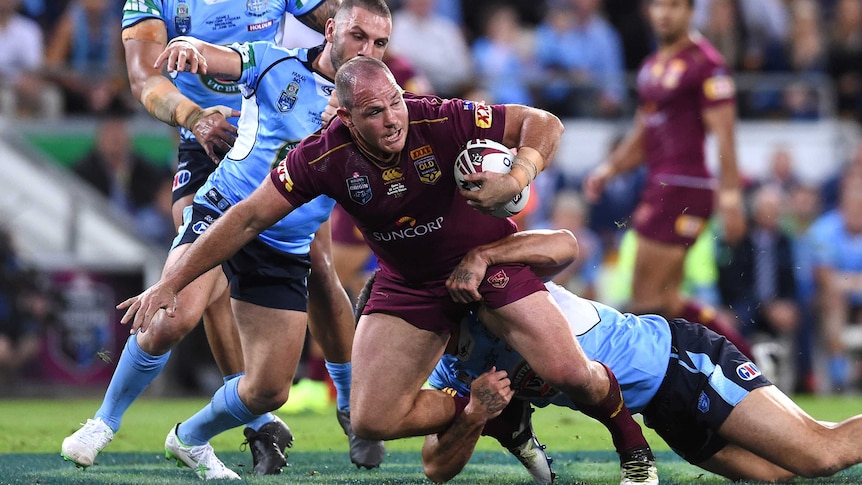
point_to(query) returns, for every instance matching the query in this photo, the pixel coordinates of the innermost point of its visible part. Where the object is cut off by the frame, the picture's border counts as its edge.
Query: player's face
(357, 33)
(379, 118)
(670, 19)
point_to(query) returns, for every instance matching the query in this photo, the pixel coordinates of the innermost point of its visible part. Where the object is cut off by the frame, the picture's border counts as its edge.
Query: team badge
(483, 115)
(199, 227)
(675, 70)
(183, 19)
(499, 279)
(288, 97)
(719, 87)
(747, 371)
(256, 8)
(703, 402)
(359, 188)
(689, 226)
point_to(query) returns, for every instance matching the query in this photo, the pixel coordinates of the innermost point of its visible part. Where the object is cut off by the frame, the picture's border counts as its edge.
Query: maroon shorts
(672, 214)
(431, 308)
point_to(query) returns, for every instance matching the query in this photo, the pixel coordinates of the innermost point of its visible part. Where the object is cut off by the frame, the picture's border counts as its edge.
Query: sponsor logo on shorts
(359, 188)
(413, 230)
(688, 225)
(747, 371)
(181, 179)
(703, 402)
(428, 170)
(528, 384)
(483, 115)
(199, 227)
(499, 279)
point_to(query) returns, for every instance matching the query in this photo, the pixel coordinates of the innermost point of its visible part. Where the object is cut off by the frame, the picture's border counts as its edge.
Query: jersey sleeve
(298, 8)
(293, 179)
(445, 375)
(475, 119)
(135, 11)
(717, 85)
(254, 60)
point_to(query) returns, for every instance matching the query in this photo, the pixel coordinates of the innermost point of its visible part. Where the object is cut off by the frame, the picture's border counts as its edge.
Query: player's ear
(329, 30)
(344, 115)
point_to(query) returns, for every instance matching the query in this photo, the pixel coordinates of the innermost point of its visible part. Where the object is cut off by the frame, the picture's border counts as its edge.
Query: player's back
(673, 93)
(216, 22)
(283, 99)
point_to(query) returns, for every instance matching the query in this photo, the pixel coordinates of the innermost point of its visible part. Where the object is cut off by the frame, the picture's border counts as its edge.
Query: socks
(225, 411)
(256, 423)
(135, 371)
(703, 314)
(340, 374)
(613, 413)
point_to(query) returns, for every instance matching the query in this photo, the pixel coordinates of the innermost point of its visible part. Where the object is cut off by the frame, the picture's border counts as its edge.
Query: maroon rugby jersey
(409, 209)
(673, 93)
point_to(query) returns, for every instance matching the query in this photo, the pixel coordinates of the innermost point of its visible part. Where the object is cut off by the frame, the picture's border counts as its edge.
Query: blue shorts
(706, 378)
(258, 273)
(193, 168)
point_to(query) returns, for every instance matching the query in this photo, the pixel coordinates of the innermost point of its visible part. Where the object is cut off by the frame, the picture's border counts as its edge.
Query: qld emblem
(359, 189)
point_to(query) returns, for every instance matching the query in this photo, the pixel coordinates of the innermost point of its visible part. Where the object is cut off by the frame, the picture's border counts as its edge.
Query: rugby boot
(268, 446)
(513, 428)
(363, 453)
(637, 467)
(82, 446)
(201, 458)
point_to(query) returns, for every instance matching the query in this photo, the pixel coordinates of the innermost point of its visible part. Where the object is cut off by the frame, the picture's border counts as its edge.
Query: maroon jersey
(408, 208)
(673, 93)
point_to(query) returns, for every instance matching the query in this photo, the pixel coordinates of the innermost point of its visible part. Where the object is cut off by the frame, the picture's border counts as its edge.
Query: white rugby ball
(482, 155)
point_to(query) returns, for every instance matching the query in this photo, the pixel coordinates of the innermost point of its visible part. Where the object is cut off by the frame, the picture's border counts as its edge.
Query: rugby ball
(482, 155)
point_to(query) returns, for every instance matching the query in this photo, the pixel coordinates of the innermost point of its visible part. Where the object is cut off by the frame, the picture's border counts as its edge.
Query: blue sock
(225, 411)
(135, 371)
(340, 374)
(259, 421)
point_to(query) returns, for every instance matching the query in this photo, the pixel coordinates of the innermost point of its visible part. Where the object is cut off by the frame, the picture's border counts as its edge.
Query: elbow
(436, 474)
(569, 248)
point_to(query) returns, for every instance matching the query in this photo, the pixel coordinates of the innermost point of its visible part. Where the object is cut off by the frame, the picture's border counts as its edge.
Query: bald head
(365, 72)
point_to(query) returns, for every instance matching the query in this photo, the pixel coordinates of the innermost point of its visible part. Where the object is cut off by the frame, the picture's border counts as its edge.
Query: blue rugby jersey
(283, 98)
(636, 348)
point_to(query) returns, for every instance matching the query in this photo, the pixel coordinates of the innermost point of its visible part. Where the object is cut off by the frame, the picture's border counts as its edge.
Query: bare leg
(772, 426)
(738, 463)
(657, 277)
(330, 314)
(221, 331)
(391, 361)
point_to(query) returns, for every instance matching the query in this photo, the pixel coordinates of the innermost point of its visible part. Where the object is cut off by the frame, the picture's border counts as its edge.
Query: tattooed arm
(445, 454)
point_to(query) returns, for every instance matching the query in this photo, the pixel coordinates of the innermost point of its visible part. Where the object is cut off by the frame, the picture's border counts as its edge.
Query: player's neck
(673, 46)
(323, 62)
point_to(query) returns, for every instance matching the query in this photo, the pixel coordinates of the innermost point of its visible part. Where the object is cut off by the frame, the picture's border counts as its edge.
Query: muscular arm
(445, 454)
(220, 61)
(242, 223)
(143, 42)
(536, 134)
(546, 251)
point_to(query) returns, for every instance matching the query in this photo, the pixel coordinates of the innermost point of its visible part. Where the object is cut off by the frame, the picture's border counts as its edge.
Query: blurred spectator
(406, 75)
(569, 211)
(836, 242)
(807, 45)
(581, 56)
(630, 20)
(722, 29)
(501, 62)
(845, 57)
(757, 281)
(84, 56)
(21, 90)
(830, 191)
(134, 185)
(434, 44)
(781, 172)
(24, 311)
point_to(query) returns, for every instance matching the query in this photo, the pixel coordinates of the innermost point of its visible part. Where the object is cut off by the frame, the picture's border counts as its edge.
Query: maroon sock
(707, 316)
(613, 413)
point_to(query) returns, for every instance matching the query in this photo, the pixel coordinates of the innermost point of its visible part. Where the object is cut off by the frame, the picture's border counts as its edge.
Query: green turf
(31, 432)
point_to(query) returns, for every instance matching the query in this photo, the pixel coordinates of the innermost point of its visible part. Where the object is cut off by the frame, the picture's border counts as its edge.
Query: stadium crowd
(576, 59)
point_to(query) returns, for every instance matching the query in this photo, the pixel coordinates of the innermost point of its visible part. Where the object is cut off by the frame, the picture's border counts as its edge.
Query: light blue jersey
(283, 99)
(834, 247)
(636, 348)
(218, 22)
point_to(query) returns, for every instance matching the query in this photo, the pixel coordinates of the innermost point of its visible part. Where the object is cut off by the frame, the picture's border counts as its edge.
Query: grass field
(31, 432)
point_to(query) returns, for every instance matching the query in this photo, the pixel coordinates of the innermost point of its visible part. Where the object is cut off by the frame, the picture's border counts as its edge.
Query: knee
(570, 379)
(263, 398)
(164, 334)
(370, 428)
(821, 464)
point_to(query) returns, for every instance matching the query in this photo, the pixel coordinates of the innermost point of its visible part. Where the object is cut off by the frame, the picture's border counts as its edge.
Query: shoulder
(707, 56)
